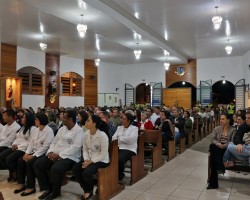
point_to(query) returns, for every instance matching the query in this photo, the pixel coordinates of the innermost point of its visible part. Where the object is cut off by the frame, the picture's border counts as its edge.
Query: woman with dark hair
(10, 156)
(127, 136)
(95, 154)
(38, 145)
(137, 118)
(82, 118)
(221, 137)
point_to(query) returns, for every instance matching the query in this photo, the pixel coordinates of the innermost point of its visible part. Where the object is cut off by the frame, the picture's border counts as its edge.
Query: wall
(67, 101)
(68, 64)
(33, 101)
(214, 68)
(26, 57)
(246, 66)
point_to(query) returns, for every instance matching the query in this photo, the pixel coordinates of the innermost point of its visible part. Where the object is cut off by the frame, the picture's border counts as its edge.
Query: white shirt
(40, 141)
(68, 143)
(154, 117)
(22, 140)
(1, 127)
(96, 147)
(8, 134)
(127, 137)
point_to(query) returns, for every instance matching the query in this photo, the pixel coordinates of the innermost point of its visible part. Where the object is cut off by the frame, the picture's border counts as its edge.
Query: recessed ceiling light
(137, 15)
(166, 35)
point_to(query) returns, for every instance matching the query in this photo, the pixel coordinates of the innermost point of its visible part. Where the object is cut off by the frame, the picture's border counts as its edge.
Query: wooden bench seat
(243, 168)
(137, 161)
(1, 196)
(182, 144)
(107, 180)
(154, 137)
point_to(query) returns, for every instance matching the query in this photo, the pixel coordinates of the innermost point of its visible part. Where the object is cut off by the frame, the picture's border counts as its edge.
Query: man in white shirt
(9, 131)
(63, 153)
(155, 115)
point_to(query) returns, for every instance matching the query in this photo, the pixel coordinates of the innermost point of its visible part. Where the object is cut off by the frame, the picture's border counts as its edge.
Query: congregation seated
(104, 115)
(95, 155)
(38, 145)
(221, 136)
(115, 119)
(188, 125)
(127, 136)
(10, 156)
(239, 149)
(179, 123)
(63, 153)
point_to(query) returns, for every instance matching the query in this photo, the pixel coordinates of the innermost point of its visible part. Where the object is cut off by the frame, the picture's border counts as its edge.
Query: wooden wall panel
(177, 97)
(189, 76)
(8, 60)
(52, 80)
(90, 80)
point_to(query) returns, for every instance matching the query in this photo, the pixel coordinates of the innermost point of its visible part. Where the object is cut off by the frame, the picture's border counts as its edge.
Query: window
(72, 84)
(32, 80)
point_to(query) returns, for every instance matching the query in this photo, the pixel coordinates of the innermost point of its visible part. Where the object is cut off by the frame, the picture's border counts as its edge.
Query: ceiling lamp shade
(97, 61)
(137, 54)
(228, 48)
(166, 65)
(43, 46)
(217, 20)
(81, 28)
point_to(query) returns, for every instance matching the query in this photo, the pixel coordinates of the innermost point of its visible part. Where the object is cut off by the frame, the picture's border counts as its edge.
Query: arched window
(72, 84)
(32, 80)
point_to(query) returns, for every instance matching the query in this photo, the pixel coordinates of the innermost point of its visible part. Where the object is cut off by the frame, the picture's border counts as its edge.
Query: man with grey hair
(105, 116)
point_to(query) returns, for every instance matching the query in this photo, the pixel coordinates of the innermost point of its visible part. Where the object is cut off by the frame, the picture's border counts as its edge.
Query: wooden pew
(196, 131)
(171, 149)
(1, 196)
(234, 168)
(182, 144)
(190, 138)
(154, 137)
(107, 181)
(137, 161)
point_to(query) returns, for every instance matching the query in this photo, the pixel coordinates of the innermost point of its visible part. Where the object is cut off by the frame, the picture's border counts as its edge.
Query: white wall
(68, 64)
(67, 101)
(112, 76)
(246, 68)
(27, 57)
(214, 68)
(33, 101)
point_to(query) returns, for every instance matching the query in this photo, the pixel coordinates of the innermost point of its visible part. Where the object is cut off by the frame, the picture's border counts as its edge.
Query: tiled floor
(182, 178)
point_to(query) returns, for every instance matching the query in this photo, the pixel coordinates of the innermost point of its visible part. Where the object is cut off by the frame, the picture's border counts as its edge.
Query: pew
(182, 144)
(190, 138)
(154, 137)
(107, 181)
(1, 196)
(243, 168)
(137, 161)
(171, 149)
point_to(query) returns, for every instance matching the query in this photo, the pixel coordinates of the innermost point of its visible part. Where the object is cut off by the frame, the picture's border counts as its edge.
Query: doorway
(142, 93)
(223, 92)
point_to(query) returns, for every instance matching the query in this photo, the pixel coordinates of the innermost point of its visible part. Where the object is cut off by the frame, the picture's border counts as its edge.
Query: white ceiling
(187, 23)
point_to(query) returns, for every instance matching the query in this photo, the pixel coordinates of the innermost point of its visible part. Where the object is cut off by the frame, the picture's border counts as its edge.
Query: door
(240, 88)
(205, 92)
(156, 99)
(129, 94)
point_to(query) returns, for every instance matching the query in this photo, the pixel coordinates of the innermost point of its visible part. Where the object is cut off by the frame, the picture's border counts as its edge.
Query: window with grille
(71, 84)
(32, 80)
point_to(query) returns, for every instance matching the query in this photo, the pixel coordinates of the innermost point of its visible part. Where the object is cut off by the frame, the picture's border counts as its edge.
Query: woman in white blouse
(95, 154)
(10, 156)
(127, 136)
(38, 146)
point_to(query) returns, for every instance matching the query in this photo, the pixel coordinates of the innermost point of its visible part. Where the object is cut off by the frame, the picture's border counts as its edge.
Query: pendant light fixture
(166, 65)
(217, 20)
(43, 46)
(228, 48)
(81, 28)
(137, 52)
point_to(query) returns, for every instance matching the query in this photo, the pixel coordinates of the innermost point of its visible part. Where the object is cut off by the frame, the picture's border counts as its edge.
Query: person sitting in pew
(63, 153)
(145, 123)
(240, 148)
(166, 127)
(127, 136)
(10, 156)
(95, 154)
(221, 136)
(38, 145)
